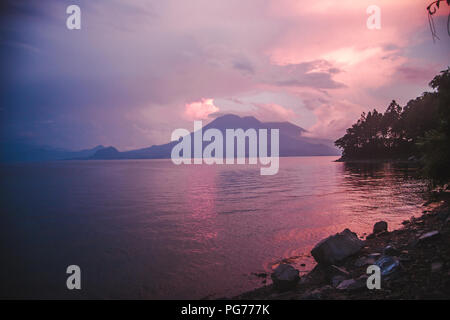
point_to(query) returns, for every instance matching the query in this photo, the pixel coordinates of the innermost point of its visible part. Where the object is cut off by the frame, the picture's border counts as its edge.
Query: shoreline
(411, 160)
(420, 246)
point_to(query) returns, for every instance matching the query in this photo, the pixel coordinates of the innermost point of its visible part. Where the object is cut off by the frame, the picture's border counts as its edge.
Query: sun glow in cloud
(200, 110)
(351, 56)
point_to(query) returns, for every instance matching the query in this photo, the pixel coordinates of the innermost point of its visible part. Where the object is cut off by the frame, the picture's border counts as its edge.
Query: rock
(336, 280)
(316, 293)
(388, 265)
(260, 274)
(364, 261)
(285, 277)
(338, 270)
(413, 243)
(436, 266)
(371, 236)
(337, 247)
(353, 284)
(432, 235)
(391, 251)
(380, 226)
(443, 214)
(317, 276)
(404, 258)
(346, 284)
(375, 235)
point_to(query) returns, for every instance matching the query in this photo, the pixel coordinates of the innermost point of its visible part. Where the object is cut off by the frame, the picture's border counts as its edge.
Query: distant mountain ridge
(292, 143)
(25, 152)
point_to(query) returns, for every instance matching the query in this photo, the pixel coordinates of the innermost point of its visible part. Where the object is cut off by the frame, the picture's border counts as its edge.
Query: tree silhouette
(432, 9)
(421, 128)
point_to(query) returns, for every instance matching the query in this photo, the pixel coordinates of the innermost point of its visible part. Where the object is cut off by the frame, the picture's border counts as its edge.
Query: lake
(148, 229)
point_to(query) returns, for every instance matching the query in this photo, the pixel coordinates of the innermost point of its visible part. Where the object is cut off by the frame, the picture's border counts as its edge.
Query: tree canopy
(421, 128)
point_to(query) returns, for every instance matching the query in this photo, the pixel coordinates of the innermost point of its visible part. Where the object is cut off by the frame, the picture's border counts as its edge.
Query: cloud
(137, 70)
(415, 74)
(274, 112)
(244, 64)
(200, 110)
(333, 119)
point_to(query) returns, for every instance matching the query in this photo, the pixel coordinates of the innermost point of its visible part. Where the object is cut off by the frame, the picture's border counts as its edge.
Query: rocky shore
(414, 262)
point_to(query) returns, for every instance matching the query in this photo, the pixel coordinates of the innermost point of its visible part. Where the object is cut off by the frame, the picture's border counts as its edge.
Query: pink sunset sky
(137, 70)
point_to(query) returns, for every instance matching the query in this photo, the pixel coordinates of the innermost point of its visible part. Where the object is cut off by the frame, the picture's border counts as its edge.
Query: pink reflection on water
(194, 231)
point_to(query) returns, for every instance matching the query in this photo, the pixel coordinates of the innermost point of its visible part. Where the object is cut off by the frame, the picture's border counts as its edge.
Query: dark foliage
(420, 129)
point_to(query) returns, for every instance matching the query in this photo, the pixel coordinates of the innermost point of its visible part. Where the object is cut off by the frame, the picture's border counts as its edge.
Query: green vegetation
(421, 129)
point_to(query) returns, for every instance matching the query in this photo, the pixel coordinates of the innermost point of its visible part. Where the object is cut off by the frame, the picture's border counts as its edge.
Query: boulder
(337, 247)
(285, 277)
(380, 226)
(316, 277)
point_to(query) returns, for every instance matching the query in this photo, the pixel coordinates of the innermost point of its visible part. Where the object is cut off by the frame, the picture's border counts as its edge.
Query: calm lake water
(148, 229)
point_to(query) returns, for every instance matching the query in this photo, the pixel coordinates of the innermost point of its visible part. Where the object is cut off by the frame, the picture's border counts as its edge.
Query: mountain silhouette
(27, 152)
(292, 142)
